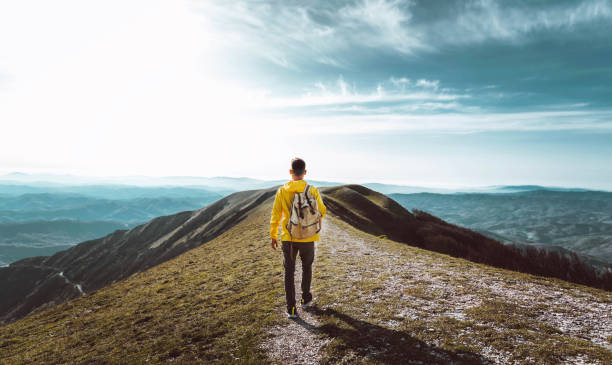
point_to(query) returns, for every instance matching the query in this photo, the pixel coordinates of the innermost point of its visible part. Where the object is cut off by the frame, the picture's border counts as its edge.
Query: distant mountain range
(226, 185)
(133, 186)
(41, 220)
(19, 240)
(62, 210)
(579, 221)
(53, 206)
(110, 191)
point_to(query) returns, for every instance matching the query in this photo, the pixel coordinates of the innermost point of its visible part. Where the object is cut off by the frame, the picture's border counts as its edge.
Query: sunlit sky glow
(444, 93)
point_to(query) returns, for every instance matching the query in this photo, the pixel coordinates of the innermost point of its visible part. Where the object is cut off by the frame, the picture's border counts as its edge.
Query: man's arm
(275, 218)
(322, 207)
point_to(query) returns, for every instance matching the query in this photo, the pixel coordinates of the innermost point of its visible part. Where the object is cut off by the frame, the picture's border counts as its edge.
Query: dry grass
(209, 304)
(379, 302)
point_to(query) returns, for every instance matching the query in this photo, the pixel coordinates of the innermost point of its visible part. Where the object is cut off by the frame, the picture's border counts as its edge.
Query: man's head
(298, 169)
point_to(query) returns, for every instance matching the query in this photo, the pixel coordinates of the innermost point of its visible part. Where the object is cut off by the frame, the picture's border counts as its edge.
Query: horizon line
(438, 186)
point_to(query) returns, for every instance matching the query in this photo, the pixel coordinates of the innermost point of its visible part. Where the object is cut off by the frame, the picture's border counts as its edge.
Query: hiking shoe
(306, 304)
(292, 312)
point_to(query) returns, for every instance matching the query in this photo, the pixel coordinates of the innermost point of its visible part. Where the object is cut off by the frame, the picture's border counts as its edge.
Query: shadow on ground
(360, 339)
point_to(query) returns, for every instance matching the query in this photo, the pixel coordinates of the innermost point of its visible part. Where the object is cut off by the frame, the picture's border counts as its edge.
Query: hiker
(301, 208)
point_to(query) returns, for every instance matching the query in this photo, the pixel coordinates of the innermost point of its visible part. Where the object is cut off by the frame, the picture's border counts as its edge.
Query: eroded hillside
(44, 281)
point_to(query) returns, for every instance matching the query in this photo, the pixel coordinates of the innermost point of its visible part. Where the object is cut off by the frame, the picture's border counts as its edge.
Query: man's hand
(274, 243)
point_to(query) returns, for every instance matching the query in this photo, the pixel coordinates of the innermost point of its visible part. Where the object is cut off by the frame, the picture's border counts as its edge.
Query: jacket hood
(295, 186)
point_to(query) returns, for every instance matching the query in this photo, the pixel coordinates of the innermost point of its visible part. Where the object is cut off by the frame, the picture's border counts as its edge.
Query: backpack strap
(308, 200)
(299, 209)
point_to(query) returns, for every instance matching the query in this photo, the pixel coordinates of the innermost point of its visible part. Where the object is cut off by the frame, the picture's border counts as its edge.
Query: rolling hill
(43, 223)
(580, 221)
(40, 281)
(379, 300)
(48, 206)
(20, 240)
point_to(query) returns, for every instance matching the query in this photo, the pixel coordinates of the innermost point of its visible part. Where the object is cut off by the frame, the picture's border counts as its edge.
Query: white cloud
(402, 108)
(280, 32)
(428, 84)
(289, 34)
(491, 19)
(381, 23)
(342, 92)
(399, 81)
(392, 123)
(344, 88)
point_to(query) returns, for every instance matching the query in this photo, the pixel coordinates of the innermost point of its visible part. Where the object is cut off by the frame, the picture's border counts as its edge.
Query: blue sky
(444, 93)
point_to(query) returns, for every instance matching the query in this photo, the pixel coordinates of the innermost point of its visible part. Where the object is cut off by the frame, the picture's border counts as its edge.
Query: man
(292, 246)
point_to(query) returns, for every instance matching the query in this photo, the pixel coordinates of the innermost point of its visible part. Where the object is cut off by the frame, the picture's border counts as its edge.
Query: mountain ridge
(232, 184)
(578, 221)
(378, 301)
(96, 263)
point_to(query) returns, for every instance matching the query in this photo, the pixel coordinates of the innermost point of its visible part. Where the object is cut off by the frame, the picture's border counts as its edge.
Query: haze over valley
(44, 214)
(580, 221)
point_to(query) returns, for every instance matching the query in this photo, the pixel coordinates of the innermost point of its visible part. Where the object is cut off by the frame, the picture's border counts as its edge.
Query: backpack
(304, 216)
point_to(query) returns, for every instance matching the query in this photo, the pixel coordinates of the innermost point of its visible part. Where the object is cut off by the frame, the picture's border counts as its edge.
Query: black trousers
(306, 251)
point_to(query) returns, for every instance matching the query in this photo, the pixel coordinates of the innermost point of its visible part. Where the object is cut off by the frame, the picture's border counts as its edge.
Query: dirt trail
(299, 341)
(405, 286)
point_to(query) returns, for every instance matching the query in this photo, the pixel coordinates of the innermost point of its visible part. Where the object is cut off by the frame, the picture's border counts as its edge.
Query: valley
(580, 221)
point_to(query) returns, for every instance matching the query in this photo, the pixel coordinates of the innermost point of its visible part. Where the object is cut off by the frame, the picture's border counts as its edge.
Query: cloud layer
(323, 31)
(386, 58)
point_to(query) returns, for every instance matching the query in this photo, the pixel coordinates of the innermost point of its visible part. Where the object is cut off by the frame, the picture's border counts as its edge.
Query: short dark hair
(298, 166)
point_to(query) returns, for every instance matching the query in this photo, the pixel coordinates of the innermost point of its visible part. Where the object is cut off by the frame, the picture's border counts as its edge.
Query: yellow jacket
(282, 204)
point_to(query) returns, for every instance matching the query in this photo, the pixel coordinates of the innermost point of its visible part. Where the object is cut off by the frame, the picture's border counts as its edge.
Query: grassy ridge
(208, 304)
(217, 302)
(378, 214)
